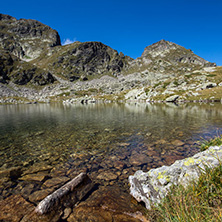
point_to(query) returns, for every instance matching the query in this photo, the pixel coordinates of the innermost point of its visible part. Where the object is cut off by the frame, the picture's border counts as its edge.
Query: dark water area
(108, 141)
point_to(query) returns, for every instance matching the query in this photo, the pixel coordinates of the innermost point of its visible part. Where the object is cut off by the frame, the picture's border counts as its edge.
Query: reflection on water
(110, 142)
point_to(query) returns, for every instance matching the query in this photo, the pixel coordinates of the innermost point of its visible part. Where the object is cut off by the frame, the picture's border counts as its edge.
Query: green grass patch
(64, 94)
(157, 84)
(166, 84)
(216, 141)
(176, 83)
(201, 201)
(211, 75)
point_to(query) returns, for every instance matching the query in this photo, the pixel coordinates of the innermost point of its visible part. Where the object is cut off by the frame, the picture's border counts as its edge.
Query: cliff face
(21, 73)
(26, 38)
(85, 61)
(6, 66)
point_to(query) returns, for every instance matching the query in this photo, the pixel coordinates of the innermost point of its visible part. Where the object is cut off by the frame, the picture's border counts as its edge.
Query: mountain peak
(159, 47)
(26, 38)
(173, 53)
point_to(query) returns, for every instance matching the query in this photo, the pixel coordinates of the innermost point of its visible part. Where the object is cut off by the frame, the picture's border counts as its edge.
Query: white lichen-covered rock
(208, 85)
(152, 186)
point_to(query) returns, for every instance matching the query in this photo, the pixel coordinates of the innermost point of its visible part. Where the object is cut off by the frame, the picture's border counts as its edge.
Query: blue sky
(129, 26)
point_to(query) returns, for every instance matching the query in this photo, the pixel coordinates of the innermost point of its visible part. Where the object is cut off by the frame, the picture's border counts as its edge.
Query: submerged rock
(139, 159)
(14, 208)
(56, 181)
(108, 204)
(154, 185)
(10, 173)
(36, 168)
(178, 143)
(39, 195)
(35, 177)
(107, 176)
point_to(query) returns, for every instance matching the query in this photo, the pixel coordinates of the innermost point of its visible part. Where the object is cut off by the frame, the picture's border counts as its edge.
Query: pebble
(178, 143)
(66, 213)
(140, 159)
(119, 165)
(107, 175)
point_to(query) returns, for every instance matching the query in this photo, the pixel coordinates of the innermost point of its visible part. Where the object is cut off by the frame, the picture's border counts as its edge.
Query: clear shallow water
(109, 141)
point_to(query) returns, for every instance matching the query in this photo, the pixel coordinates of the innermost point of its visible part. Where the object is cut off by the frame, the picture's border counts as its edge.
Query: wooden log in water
(51, 199)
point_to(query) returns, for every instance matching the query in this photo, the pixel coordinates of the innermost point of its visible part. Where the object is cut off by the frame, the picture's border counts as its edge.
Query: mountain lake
(52, 143)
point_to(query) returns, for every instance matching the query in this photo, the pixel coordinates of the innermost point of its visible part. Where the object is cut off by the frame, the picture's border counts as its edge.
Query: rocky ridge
(83, 61)
(94, 71)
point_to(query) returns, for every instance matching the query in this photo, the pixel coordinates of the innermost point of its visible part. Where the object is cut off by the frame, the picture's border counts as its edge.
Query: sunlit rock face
(26, 38)
(174, 53)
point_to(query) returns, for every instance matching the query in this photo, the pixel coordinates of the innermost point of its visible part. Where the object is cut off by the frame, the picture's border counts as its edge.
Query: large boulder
(152, 186)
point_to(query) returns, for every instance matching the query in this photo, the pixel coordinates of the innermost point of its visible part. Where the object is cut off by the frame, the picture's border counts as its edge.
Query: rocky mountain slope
(26, 38)
(21, 73)
(31, 56)
(173, 53)
(168, 57)
(84, 61)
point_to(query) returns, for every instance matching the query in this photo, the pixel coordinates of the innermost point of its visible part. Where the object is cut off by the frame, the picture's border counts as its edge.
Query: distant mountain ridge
(31, 54)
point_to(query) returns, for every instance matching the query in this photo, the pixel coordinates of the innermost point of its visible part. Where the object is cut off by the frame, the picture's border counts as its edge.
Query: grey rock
(151, 187)
(172, 98)
(208, 85)
(136, 94)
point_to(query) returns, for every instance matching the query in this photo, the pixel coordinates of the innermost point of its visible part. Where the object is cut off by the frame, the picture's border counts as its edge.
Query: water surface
(108, 141)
